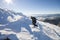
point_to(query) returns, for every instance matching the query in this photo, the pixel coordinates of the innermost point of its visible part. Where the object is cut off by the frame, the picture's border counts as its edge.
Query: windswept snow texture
(16, 26)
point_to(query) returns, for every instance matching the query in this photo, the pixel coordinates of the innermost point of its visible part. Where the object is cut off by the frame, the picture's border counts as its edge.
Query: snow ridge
(22, 29)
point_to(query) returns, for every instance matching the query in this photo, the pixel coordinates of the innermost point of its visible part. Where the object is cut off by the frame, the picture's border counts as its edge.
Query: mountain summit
(17, 26)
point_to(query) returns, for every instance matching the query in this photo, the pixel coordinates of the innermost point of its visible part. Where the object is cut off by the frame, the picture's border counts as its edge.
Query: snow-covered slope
(21, 28)
(7, 16)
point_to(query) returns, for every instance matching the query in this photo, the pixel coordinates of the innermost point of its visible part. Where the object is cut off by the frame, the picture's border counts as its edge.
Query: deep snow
(20, 28)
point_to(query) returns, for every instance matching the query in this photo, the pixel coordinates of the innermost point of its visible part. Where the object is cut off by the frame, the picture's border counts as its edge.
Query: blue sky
(29, 7)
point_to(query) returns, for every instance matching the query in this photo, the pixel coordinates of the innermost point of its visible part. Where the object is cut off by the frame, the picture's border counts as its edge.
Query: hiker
(33, 21)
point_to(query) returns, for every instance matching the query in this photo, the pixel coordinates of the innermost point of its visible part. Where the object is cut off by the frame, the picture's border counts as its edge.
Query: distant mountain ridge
(47, 15)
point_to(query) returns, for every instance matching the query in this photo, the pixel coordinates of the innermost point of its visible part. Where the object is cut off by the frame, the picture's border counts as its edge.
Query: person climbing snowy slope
(34, 21)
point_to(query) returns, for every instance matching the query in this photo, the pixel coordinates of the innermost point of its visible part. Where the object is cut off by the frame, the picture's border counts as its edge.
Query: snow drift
(17, 26)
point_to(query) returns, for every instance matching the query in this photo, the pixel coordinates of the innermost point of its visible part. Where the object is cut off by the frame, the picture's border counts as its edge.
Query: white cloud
(15, 18)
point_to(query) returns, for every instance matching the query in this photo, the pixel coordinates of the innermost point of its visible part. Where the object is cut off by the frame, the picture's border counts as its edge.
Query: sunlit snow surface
(44, 31)
(21, 28)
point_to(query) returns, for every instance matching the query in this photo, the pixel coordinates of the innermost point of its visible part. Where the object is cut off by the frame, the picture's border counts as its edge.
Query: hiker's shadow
(41, 35)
